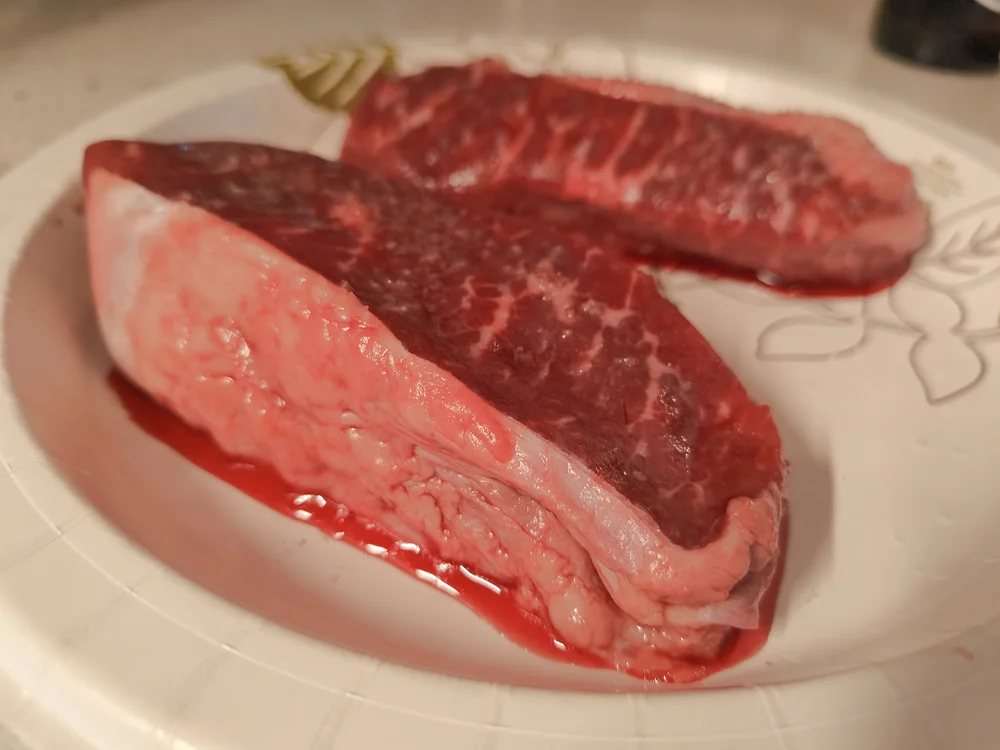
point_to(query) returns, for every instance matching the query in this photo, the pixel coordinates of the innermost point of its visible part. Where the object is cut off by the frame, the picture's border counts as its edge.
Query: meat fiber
(669, 177)
(502, 394)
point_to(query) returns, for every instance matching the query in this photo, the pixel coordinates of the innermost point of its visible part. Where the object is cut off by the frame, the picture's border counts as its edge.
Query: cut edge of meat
(116, 277)
(697, 401)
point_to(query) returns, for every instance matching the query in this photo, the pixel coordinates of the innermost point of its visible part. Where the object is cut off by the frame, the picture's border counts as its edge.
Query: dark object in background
(958, 35)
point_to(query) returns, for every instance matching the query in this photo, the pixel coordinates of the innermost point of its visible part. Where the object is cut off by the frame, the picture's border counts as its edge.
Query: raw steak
(498, 392)
(791, 199)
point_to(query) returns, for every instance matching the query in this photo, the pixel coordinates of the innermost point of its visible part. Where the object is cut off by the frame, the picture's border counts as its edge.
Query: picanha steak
(502, 394)
(789, 199)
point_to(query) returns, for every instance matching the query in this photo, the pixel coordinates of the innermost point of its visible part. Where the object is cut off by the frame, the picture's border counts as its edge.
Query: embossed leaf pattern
(810, 338)
(335, 80)
(965, 248)
(946, 365)
(879, 313)
(937, 177)
(925, 308)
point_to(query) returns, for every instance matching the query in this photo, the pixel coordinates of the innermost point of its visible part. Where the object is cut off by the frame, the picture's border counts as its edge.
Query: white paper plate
(888, 407)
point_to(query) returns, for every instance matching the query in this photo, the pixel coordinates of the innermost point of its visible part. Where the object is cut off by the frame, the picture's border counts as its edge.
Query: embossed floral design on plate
(932, 306)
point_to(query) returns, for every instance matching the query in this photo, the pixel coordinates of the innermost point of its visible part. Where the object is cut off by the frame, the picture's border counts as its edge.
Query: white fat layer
(615, 534)
(133, 214)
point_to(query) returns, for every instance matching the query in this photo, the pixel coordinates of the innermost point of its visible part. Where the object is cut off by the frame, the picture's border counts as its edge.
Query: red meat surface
(791, 199)
(503, 394)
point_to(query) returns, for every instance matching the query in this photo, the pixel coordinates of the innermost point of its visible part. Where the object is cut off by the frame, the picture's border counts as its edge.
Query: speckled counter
(67, 64)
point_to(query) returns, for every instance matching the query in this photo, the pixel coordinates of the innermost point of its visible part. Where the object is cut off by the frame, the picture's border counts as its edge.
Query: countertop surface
(63, 62)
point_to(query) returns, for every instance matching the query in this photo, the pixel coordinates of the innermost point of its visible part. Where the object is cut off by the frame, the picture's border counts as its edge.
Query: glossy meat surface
(792, 199)
(502, 393)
